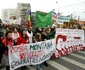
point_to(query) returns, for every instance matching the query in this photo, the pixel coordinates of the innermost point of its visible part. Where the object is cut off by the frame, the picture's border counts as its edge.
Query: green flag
(43, 19)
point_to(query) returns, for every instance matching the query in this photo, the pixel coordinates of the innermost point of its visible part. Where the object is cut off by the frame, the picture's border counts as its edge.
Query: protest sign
(5, 21)
(30, 54)
(68, 41)
(11, 21)
(61, 19)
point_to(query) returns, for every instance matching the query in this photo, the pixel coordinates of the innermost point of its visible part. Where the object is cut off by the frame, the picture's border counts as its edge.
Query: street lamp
(58, 6)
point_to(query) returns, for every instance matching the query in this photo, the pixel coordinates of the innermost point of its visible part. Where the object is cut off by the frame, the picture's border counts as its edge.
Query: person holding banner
(23, 39)
(37, 38)
(45, 36)
(7, 43)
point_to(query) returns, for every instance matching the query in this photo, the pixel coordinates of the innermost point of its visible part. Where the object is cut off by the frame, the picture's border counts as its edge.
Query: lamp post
(58, 6)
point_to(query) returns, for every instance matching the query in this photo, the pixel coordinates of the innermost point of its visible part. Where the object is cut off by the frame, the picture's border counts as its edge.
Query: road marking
(31, 67)
(74, 62)
(57, 65)
(81, 52)
(78, 56)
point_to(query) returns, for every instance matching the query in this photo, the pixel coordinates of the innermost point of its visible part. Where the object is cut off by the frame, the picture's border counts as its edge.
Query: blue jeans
(38, 67)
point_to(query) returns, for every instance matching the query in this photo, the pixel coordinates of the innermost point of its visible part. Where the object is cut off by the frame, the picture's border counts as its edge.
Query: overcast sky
(66, 7)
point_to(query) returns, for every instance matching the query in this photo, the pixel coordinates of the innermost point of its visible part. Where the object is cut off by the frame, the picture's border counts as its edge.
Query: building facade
(23, 10)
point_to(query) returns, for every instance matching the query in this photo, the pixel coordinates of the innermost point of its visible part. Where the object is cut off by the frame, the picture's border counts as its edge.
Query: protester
(1, 31)
(61, 26)
(45, 37)
(55, 25)
(79, 26)
(37, 38)
(70, 26)
(24, 35)
(38, 30)
(7, 43)
(49, 27)
(30, 34)
(23, 39)
(45, 33)
(1, 51)
(1, 46)
(51, 35)
(15, 35)
(75, 27)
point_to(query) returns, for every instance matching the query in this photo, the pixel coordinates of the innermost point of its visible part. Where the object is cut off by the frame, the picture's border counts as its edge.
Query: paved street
(74, 61)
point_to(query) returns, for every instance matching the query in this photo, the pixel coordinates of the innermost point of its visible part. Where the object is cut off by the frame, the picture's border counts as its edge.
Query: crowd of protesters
(15, 35)
(11, 35)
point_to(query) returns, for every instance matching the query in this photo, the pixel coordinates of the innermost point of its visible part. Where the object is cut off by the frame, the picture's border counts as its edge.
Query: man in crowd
(1, 45)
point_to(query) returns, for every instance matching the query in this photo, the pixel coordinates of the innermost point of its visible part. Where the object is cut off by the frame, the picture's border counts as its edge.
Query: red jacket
(21, 40)
(5, 43)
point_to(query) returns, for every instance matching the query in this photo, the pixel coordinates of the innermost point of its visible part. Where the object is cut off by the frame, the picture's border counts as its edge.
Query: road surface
(74, 61)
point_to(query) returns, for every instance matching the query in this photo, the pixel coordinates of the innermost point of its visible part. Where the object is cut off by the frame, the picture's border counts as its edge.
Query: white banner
(68, 36)
(62, 19)
(30, 54)
(68, 41)
(10, 21)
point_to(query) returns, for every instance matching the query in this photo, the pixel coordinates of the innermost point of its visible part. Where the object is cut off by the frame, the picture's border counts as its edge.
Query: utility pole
(58, 6)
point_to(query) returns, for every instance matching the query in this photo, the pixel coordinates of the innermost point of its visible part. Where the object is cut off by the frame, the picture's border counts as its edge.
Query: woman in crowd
(45, 34)
(23, 39)
(38, 30)
(15, 35)
(45, 37)
(37, 38)
(7, 43)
